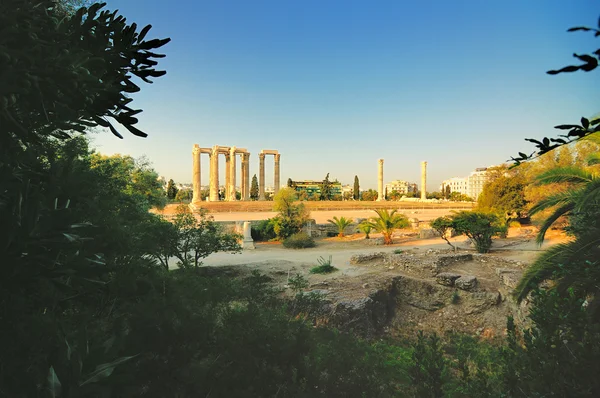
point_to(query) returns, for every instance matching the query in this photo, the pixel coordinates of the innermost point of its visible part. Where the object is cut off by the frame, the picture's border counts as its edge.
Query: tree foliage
(326, 189)
(171, 190)
(292, 216)
(504, 193)
(356, 189)
(254, 188)
(479, 227)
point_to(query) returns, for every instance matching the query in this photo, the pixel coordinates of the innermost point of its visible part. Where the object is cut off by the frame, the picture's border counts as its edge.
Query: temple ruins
(230, 154)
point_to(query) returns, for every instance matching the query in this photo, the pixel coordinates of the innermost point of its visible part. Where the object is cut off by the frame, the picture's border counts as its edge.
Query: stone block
(446, 278)
(466, 282)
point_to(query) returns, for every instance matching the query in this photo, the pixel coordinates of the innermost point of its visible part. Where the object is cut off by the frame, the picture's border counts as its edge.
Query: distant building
(401, 186)
(312, 187)
(471, 185)
(456, 184)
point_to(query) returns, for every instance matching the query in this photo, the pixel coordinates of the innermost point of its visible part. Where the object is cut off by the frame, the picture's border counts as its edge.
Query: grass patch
(398, 251)
(324, 266)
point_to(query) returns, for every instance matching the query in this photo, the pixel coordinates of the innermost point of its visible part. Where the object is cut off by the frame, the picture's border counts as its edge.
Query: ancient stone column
(261, 176)
(196, 180)
(380, 194)
(277, 172)
(227, 175)
(214, 174)
(245, 176)
(247, 242)
(423, 180)
(232, 172)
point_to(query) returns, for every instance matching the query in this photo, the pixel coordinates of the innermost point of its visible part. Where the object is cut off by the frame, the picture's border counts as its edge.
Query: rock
(509, 277)
(466, 282)
(444, 261)
(364, 258)
(428, 233)
(446, 278)
(375, 241)
(365, 285)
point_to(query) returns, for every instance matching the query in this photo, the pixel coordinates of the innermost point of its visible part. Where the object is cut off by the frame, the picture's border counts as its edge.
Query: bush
(480, 227)
(299, 241)
(263, 231)
(324, 266)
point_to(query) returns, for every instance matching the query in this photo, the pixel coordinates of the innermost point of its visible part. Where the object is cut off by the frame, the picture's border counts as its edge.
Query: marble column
(232, 173)
(423, 180)
(247, 242)
(277, 172)
(227, 175)
(214, 174)
(196, 179)
(261, 176)
(380, 193)
(245, 176)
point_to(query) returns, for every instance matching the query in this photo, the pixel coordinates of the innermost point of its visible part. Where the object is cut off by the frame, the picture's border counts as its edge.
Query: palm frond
(593, 159)
(553, 260)
(571, 174)
(590, 196)
(559, 199)
(562, 210)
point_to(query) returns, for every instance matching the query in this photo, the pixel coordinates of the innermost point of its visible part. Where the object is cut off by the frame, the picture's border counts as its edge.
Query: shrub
(324, 266)
(299, 240)
(291, 217)
(366, 228)
(264, 230)
(398, 251)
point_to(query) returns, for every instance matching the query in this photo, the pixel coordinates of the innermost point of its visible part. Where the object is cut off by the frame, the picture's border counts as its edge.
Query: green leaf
(54, 385)
(105, 370)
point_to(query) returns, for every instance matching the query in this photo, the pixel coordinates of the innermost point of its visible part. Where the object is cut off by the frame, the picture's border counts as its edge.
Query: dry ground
(267, 206)
(355, 281)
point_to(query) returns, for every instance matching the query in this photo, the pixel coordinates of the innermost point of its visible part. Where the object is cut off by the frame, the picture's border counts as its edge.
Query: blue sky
(336, 85)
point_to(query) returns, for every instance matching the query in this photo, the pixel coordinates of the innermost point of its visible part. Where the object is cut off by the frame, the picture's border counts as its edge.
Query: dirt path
(518, 246)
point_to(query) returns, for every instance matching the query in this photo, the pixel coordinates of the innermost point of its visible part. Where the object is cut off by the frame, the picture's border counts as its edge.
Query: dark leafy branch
(575, 131)
(77, 70)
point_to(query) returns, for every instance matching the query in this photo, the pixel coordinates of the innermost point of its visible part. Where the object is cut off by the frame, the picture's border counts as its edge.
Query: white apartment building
(456, 184)
(471, 185)
(400, 186)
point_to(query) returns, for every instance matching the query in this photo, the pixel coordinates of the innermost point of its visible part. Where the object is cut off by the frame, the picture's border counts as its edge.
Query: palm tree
(387, 222)
(572, 264)
(341, 224)
(366, 228)
(584, 194)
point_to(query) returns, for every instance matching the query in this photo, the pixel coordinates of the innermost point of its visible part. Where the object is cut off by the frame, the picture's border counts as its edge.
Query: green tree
(290, 183)
(171, 190)
(292, 216)
(341, 223)
(480, 227)
(356, 190)
(504, 193)
(369, 195)
(387, 222)
(447, 192)
(254, 188)
(443, 226)
(184, 195)
(326, 189)
(198, 236)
